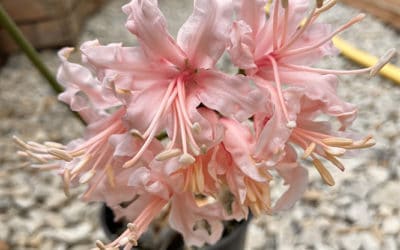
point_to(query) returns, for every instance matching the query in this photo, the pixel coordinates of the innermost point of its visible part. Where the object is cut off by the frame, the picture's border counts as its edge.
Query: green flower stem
(12, 29)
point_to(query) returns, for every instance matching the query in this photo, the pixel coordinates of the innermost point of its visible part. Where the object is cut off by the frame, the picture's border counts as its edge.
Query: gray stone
(4, 232)
(387, 194)
(24, 202)
(389, 243)
(359, 214)
(391, 225)
(377, 174)
(351, 241)
(255, 237)
(369, 241)
(71, 235)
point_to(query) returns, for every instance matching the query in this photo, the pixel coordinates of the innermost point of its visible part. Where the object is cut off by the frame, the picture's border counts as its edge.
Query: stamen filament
(278, 86)
(161, 109)
(275, 25)
(303, 50)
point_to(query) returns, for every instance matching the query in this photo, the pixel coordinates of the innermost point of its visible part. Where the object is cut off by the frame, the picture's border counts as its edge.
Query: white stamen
(87, 176)
(20, 142)
(34, 144)
(196, 128)
(80, 165)
(22, 153)
(335, 162)
(54, 145)
(291, 124)
(203, 149)
(326, 7)
(123, 241)
(337, 141)
(36, 157)
(324, 173)
(100, 245)
(133, 240)
(382, 62)
(48, 166)
(195, 149)
(61, 154)
(186, 159)
(167, 154)
(335, 151)
(110, 175)
(66, 180)
(131, 227)
(136, 133)
(309, 150)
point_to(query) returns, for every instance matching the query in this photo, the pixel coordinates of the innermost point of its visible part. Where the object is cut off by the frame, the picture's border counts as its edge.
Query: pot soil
(164, 238)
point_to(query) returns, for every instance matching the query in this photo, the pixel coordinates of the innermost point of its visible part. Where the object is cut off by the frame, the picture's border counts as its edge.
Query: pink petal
(251, 12)
(139, 112)
(83, 90)
(297, 179)
(242, 46)
(124, 62)
(185, 214)
(322, 88)
(315, 32)
(239, 142)
(114, 56)
(297, 11)
(146, 21)
(211, 130)
(251, 19)
(271, 130)
(112, 195)
(204, 35)
(295, 176)
(232, 96)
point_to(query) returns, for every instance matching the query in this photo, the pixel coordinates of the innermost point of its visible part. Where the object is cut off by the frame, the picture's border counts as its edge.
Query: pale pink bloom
(226, 135)
(153, 189)
(246, 176)
(293, 175)
(95, 159)
(281, 49)
(83, 91)
(197, 224)
(272, 128)
(316, 136)
(169, 79)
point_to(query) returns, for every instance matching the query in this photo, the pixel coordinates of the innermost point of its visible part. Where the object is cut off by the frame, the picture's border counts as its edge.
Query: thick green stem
(16, 34)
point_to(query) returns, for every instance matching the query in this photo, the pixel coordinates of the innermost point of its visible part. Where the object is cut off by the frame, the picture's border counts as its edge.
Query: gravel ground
(362, 211)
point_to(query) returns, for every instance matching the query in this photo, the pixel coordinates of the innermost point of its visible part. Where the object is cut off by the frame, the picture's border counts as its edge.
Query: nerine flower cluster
(167, 130)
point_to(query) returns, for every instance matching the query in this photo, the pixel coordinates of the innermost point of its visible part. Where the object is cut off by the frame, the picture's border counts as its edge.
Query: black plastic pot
(232, 239)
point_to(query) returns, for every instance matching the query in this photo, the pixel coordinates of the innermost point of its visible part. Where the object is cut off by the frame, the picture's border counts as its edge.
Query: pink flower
(169, 133)
(282, 48)
(155, 190)
(95, 159)
(176, 77)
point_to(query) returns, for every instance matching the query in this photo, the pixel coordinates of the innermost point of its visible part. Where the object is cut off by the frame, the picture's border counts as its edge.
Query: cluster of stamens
(332, 147)
(173, 102)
